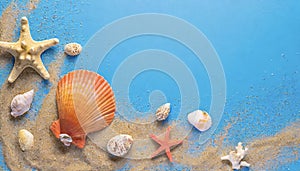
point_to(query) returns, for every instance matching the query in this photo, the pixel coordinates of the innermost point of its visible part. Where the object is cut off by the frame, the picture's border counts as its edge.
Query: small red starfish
(165, 144)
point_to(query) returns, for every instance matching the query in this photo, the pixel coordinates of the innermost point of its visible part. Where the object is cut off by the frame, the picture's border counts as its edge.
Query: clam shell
(200, 119)
(26, 140)
(73, 49)
(85, 103)
(119, 145)
(21, 103)
(163, 112)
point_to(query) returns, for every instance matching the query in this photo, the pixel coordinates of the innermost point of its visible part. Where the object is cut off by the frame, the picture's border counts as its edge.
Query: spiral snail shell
(21, 103)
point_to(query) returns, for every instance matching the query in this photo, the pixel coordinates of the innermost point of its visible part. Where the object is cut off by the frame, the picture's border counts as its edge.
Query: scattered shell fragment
(200, 119)
(85, 103)
(25, 140)
(163, 112)
(73, 49)
(21, 103)
(119, 145)
(236, 157)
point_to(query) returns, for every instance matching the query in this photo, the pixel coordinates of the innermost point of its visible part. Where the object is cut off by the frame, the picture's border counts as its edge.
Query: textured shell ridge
(86, 104)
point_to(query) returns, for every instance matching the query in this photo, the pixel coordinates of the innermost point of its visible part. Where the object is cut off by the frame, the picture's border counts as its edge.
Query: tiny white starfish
(27, 52)
(236, 157)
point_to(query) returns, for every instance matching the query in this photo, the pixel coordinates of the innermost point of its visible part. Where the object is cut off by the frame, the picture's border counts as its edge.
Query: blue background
(258, 43)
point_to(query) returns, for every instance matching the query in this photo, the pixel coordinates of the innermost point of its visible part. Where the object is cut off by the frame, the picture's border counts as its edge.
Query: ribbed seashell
(73, 49)
(21, 103)
(85, 103)
(200, 119)
(163, 112)
(26, 140)
(119, 145)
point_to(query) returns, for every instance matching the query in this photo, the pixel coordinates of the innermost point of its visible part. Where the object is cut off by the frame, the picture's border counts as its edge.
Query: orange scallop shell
(86, 104)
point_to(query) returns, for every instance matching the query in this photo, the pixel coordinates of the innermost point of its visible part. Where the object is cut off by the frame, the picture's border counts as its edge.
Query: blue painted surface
(258, 44)
(3, 165)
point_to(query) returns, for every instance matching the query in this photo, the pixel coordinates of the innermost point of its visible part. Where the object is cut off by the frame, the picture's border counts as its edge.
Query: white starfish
(236, 157)
(27, 52)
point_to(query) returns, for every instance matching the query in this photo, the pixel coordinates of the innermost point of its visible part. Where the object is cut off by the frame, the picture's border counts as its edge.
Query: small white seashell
(200, 119)
(119, 145)
(163, 112)
(73, 49)
(21, 103)
(66, 139)
(25, 139)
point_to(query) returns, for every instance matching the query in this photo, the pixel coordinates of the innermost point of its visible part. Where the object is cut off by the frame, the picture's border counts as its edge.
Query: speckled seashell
(25, 140)
(73, 49)
(163, 112)
(21, 103)
(200, 119)
(119, 145)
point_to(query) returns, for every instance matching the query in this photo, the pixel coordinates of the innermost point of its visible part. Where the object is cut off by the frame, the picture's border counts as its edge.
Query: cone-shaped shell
(21, 103)
(200, 119)
(163, 112)
(85, 103)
